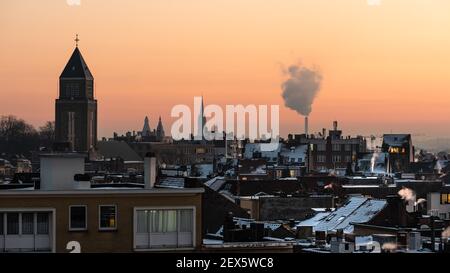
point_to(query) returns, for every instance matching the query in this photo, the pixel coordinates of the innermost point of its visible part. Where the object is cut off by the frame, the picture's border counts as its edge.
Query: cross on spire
(76, 40)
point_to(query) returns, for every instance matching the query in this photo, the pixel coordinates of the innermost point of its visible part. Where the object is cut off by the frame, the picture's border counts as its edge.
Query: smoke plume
(407, 194)
(446, 233)
(301, 88)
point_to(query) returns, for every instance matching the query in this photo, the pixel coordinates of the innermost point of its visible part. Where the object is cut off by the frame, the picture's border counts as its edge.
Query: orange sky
(385, 68)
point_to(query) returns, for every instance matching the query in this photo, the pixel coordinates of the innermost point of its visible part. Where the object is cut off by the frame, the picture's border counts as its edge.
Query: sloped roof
(110, 149)
(251, 148)
(76, 67)
(356, 210)
(315, 220)
(171, 182)
(396, 139)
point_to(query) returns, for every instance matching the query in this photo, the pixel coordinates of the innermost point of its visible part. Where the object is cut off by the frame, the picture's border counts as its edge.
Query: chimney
(149, 170)
(306, 125)
(58, 170)
(335, 125)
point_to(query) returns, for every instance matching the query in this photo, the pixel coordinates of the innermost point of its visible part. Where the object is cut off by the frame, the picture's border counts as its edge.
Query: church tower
(76, 108)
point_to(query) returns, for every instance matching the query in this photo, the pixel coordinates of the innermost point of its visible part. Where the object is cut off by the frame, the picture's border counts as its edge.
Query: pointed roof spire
(76, 67)
(146, 129)
(160, 129)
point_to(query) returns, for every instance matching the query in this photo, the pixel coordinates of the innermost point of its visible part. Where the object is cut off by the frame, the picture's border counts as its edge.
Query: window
(108, 217)
(163, 221)
(27, 223)
(445, 198)
(164, 228)
(78, 219)
(321, 147)
(336, 158)
(25, 231)
(321, 158)
(348, 147)
(1, 223)
(42, 223)
(12, 223)
(348, 158)
(292, 173)
(336, 147)
(186, 220)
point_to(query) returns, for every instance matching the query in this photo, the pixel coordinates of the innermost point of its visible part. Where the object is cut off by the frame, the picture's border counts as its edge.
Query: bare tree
(17, 136)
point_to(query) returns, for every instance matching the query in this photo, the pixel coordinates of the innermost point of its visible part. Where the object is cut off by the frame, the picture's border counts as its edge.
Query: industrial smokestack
(306, 125)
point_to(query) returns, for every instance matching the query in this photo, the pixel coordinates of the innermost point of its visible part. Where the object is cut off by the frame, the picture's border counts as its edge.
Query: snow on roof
(396, 139)
(296, 152)
(205, 169)
(216, 183)
(356, 210)
(171, 182)
(246, 221)
(313, 221)
(250, 148)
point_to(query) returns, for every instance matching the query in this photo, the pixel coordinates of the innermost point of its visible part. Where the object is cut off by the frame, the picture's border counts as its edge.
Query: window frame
(116, 214)
(194, 227)
(85, 218)
(447, 199)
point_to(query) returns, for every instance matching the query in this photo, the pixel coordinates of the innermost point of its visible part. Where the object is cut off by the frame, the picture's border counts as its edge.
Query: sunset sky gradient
(385, 68)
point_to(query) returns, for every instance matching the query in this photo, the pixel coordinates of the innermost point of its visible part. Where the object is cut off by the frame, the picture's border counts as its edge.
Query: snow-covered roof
(313, 221)
(250, 148)
(356, 210)
(171, 182)
(295, 152)
(396, 140)
(204, 170)
(216, 183)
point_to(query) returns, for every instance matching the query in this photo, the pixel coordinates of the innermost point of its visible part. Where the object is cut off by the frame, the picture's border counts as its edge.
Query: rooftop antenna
(76, 40)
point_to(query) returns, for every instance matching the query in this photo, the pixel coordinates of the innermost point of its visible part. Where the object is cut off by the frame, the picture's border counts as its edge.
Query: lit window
(108, 217)
(445, 198)
(292, 173)
(78, 218)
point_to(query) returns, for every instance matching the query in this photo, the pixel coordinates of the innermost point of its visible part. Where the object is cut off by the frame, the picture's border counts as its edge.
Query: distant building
(178, 153)
(333, 151)
(76, 107)
(148, 135)
(400, 149)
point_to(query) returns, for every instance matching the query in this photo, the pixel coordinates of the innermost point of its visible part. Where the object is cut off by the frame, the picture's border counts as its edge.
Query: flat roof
(99, 191)
(66, 155)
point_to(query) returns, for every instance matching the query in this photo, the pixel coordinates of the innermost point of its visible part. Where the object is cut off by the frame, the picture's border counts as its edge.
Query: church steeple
(76, 107)
(146, 129)
(76, 67)
(160, 134)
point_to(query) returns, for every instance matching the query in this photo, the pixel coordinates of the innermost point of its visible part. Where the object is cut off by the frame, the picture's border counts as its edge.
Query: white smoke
(446, 233)
(373, 161)
(301, 88)
(389, 246)
(407, 194)
(420, 201)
